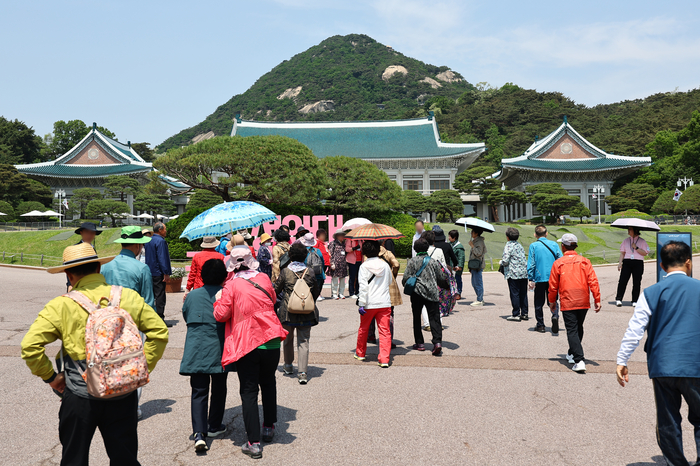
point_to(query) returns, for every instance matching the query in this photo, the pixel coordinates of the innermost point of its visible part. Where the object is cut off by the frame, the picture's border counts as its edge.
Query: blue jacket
(158, 256)
(540, 258)
(221, 248)
(127, 271)
(673, 332)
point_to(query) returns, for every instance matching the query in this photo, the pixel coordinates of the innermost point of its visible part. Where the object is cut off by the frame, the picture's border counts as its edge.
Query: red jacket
(249, 315)
(321, 246)
(194, 279)
(573, 279)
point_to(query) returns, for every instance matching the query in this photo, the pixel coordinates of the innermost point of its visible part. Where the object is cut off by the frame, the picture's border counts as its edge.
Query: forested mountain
(349, 77)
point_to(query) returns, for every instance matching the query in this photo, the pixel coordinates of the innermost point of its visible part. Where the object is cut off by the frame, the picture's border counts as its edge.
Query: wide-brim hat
(210, 242)
(132, 235)
(88, 226)
(236, 240)
(146, 231)
(308, 240)
(76, 255)
(338, 233)
(264, 238)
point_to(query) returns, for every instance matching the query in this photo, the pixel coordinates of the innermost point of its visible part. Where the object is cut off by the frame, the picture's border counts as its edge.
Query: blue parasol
(226, 218)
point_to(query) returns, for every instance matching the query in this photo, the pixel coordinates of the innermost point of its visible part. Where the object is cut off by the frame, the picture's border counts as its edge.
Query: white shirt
(637, 326)
(438, 255)
(416, 237)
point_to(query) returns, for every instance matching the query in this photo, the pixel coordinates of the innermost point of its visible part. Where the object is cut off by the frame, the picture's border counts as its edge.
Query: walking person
(64, 319)
(573, 279)
(301, 323)
(322, 245)
(429, 277)
(669, 312)
(201, 357)
(353, 256)
(254, 335)
(633, 250)
(158, 260)
(540, 258)
(265, 255)
(460, 253)
(194, 279)
(280, 249)
(339, 266)
(314, 260)
(374, 302)
(515, 265)
(476, 264)
(436, 254)
(394, 293)
(447, 251)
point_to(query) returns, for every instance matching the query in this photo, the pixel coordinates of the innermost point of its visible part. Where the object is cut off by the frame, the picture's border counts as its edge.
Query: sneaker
(524, 318)
(215, 432)
(372, 339)
(353, 296)
(199, 443)
(383, 365)
(139, 413)
(634, 304)
(579, 367)
(458, 297)
(477, 303)
(437, 349)
(570, 358)
(513, 318)
(341, 297)
(320, 298)
(267, 434)
(288, 369)
(419, 347)
(540, 329)
(359, 358)
(618, 303)
(336, 297)
(302, 377)
(555, 325)
(254, 450)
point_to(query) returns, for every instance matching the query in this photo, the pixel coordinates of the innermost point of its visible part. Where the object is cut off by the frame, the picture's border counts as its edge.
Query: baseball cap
(568, 239)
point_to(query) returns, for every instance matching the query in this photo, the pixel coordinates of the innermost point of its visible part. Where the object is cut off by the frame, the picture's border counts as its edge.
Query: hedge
(632, 213)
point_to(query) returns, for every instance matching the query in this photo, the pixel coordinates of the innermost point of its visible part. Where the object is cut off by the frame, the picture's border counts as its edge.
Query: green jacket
(460, 252)
(204, 343)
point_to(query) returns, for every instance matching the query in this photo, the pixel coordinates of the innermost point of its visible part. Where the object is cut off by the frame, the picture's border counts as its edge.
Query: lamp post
(685, 182)
(598, 190)
(60, 194)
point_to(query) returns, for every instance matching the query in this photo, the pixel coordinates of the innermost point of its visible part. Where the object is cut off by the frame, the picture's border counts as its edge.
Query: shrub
(631, 213)
(177, 246)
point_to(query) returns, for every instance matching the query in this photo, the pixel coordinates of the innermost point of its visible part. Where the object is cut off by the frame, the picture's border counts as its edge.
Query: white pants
(337, 286)
(424, 318)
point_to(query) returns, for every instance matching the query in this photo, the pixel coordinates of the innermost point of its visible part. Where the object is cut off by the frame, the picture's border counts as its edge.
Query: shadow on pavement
(154, 407)
(657, 460)
(236, 429)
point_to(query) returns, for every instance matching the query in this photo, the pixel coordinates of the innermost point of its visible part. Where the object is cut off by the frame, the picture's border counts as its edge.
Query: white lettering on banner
(294, 222)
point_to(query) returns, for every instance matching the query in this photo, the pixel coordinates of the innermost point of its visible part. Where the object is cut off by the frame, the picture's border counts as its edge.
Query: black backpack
(284, 258)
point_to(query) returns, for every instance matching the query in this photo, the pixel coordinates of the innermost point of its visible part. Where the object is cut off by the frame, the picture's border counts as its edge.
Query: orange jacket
(573, 279)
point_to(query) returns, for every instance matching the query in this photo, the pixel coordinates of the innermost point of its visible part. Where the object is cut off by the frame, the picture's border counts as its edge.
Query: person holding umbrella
(339, 266)
(633, 250)
(476, 264)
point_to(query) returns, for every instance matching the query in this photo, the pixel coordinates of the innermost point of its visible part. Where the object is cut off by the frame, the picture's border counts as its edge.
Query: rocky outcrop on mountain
(203, 137)
(318, 107)
(290, 93)
(434, 84)
(449, 77)
(392, 70)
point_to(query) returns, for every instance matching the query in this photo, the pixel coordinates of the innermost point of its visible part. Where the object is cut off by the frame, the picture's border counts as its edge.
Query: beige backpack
(301, 301)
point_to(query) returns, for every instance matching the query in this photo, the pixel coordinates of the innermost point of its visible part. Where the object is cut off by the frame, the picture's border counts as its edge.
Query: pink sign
(311, 223)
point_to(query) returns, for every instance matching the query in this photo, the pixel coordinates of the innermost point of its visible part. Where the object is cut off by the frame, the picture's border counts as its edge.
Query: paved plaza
(501, 394)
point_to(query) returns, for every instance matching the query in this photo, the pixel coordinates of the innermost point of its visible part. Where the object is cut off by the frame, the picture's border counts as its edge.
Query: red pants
(383, 317)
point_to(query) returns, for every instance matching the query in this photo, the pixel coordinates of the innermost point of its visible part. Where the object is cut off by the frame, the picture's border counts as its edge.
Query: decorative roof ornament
(566, 120)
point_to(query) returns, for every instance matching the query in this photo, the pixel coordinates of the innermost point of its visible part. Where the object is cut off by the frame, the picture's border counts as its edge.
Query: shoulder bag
(410, 285)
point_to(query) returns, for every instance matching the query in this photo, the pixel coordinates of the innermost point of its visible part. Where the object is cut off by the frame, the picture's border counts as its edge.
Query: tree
(689, 200)
(7, 209)
(18, 143)
(551, 198)
(506, 198)
(264, 169)
(144, 150)
(413, 202)
(81, 198)
(357, 185)
(639, 196)
(97, 208)
(580, 210)
(478, 180)
(16, 187)
(121, 186)
(68, 134)
(28, 206)
(446, 202)
(494, 142)
(203, 199)
(155, 204)
(665, 203)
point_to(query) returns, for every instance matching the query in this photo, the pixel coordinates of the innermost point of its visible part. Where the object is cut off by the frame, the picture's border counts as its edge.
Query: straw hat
(132, 235)
(264, 238)
(210, 242)
(147, 232)
(236, 240)
(76, 255)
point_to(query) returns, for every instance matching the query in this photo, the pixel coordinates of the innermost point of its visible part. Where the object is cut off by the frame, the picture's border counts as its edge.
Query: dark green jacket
(461, 254)
(205, 336)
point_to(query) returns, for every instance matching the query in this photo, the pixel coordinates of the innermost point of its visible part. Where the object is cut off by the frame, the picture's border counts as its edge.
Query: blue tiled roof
(81, 171)
(592, 164)
(122, 148)
(365, 140)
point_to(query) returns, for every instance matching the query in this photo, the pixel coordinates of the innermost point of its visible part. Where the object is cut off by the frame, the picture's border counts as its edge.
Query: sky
(148, 69)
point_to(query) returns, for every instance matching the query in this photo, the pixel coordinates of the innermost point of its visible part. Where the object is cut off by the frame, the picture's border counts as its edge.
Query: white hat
(308, 240)
(568, 239)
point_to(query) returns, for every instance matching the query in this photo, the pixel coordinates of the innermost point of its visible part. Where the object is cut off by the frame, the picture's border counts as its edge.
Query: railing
(30, 259)
(24, 226)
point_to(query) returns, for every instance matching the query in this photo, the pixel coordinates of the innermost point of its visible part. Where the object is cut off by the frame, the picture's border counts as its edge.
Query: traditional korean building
(89, 162)
(567, 158)
(409, 151)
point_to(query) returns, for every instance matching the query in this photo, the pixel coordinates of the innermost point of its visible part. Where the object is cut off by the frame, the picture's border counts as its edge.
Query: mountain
(349, 77)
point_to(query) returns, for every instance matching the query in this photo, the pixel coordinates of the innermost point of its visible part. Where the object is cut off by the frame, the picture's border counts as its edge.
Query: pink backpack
(116, 364)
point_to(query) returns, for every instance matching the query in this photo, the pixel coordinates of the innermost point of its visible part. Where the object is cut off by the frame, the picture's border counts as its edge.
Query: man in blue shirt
(540, 257)
(670, 314)
(158, 260)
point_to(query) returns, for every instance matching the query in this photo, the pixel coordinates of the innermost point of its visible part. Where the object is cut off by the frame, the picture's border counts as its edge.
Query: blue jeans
(458, 279)
(668, 392)
(478, 283)
(353, 282)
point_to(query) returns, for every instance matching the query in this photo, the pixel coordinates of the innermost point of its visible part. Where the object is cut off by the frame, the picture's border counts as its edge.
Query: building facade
(567, 158)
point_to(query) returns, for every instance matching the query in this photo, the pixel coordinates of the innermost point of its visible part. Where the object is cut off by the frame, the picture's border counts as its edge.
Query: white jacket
(374, 295)
(438, 255)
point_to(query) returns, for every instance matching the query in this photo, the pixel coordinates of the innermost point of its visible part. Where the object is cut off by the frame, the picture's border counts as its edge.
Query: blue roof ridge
(360, 122)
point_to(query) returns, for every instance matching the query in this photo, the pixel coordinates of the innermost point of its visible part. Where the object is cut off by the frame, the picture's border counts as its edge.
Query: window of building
(436, 185)
(413, 185)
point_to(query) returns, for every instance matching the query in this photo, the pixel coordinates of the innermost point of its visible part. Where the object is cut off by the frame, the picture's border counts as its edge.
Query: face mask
(269, 243)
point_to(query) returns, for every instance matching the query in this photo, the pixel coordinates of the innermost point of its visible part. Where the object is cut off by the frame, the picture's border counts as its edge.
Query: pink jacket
(249, 315)
(353, 257)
